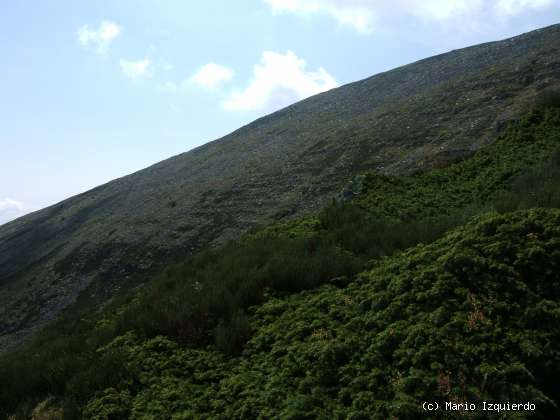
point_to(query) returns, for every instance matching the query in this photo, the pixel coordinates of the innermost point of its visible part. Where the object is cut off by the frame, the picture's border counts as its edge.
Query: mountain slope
(224, 310)
(421, 115)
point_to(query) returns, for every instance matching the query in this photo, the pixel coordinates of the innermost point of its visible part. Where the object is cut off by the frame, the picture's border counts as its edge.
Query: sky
(92, 91)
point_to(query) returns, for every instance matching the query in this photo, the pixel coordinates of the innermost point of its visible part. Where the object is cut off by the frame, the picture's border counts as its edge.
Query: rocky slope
(420, 115)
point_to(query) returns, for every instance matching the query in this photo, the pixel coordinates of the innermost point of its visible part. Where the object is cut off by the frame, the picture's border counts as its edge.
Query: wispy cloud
(136, 69)
(10, 209)
(358, 14)
(99, 38)
(278, 80)
(363, 15)
(10, 204)
(211, 76)
(515, 7)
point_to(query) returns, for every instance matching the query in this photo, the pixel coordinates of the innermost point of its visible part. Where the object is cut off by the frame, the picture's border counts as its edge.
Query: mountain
(422, 115)
(440, 286)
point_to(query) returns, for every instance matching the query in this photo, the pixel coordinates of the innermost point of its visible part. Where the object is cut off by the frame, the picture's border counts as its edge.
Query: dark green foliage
(62, 361)
(348, 349)
(548, 98)
(369, 236)
(537, 187)
(473, 317)
(189, 300)
(230, 336)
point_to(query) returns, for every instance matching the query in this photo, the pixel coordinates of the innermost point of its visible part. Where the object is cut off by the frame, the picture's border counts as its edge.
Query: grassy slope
(378, 344)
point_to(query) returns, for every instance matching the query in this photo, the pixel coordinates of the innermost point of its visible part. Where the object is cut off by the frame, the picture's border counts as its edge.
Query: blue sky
(91, 91)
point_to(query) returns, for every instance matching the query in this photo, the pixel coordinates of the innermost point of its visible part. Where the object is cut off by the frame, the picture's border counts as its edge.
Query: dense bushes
(472, 317)
(230, 336)
(548, 98)
(189, 300)
(537, 187)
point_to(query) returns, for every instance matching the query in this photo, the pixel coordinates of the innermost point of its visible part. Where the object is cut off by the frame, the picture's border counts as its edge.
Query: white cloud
(515, 7)
(279, 79)
(363, 15)
(358, 14)
(99, 38)
(9, 204)
(136, 69)
(212, 75)
(441, 10)
(10, 209)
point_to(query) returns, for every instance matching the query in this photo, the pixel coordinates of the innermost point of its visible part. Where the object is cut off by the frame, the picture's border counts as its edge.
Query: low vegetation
(472, 317)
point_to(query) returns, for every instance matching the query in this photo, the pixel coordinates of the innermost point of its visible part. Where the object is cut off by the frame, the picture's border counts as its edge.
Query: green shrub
(230, 336)
(473, 316)
(548, 98)
(537, 187)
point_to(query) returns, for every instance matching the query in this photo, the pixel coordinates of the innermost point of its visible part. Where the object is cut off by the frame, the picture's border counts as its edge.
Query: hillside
(418, 116)
(436, 323)
(446, 289)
